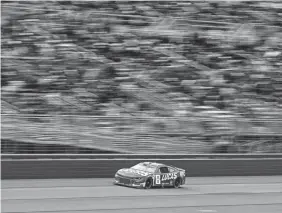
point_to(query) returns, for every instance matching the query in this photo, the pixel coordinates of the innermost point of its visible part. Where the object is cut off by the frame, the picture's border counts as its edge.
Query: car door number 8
(158, 179)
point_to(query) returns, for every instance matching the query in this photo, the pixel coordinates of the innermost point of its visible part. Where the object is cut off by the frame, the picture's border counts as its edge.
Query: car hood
(132, 173)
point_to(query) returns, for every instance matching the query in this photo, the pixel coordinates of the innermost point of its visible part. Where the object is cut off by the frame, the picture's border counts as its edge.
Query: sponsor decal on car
(165, 177)
(169, 176)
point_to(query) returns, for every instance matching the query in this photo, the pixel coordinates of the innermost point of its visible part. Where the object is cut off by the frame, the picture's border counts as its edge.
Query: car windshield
(144, 168)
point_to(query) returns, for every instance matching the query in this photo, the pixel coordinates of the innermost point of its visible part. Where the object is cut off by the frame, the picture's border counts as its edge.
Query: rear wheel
(177, 183)
(149, 183)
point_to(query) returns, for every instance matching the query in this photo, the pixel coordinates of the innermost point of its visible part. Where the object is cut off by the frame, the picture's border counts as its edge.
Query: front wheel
(149, 183)
(177, 183)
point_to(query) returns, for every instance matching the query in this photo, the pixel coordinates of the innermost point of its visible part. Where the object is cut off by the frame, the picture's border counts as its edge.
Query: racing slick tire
(177, 183)
(148, 183)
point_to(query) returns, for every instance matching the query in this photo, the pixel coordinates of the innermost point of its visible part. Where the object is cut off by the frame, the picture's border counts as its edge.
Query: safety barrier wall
(106, 168)
(142, 156)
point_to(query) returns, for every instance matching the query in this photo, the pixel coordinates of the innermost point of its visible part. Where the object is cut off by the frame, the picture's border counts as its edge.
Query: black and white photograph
(141, 106)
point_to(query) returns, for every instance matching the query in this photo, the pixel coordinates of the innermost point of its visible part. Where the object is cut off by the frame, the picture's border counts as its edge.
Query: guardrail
(133, 134)
(153, 125)
(137, 156)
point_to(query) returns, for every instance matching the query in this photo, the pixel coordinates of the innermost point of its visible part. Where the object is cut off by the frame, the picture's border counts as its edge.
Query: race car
(149, 174)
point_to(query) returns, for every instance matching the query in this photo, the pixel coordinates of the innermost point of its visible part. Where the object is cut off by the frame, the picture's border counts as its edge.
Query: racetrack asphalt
(213, 194)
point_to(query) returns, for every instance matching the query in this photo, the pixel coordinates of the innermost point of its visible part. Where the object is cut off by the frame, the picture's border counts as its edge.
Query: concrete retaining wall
(106, 168)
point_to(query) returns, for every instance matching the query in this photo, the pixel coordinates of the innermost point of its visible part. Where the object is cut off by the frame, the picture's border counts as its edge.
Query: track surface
(216, 194)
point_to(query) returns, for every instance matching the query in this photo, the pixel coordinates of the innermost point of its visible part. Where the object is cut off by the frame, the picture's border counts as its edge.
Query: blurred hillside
(185, 67)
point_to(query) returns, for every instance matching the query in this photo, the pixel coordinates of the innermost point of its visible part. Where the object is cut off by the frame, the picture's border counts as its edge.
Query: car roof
(153, 164)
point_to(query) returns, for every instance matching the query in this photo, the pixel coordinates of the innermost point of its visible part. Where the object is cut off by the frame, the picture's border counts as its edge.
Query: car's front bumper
(130, 183)
(141, 185)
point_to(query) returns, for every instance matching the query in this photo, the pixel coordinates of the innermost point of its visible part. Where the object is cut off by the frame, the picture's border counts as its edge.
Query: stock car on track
(148, 174)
